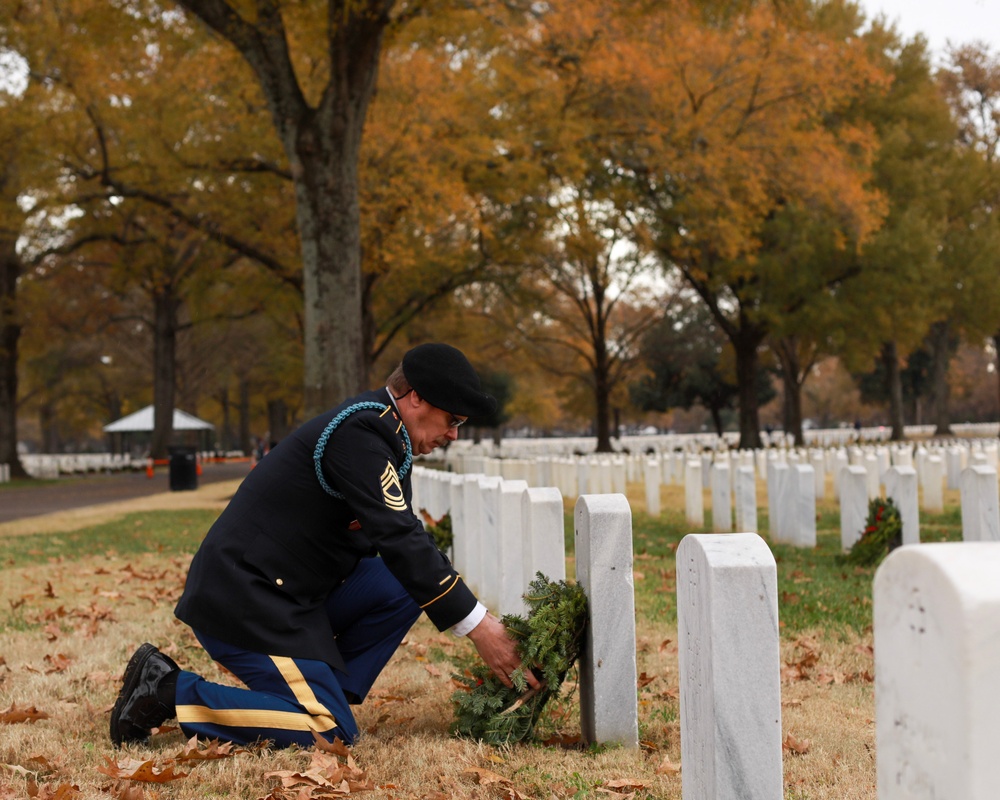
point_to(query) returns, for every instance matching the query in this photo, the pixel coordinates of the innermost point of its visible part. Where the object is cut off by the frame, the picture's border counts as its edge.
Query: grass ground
(78, 600)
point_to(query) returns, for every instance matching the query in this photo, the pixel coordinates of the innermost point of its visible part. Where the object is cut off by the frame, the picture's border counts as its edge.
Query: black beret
(443, 376)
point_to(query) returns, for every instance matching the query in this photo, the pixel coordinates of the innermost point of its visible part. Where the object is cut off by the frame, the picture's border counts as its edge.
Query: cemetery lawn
(78, 602)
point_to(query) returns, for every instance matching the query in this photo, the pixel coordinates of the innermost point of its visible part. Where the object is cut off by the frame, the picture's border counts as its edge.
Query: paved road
(31, 500)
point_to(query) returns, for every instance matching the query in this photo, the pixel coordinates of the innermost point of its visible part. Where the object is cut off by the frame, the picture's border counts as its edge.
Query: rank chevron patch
(392, 490)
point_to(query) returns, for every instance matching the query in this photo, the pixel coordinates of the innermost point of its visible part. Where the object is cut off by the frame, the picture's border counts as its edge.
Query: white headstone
(932, 482)
(746, 499)
(937, 708)
(510, 546)
(803, 505)
(853, 504)
(488, 535)
(722, 505)
(608, 677)
(694, 500)
(980, 510)
(652, 479)
(777, 511)
(730, 690)
(901, 488)
(544, 543)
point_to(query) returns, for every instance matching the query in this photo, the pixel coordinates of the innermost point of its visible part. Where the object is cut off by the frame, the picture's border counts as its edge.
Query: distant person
(313, 574)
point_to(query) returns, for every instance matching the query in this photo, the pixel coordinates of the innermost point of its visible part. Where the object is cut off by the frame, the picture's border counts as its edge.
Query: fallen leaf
(145, 771)
(484, 777)
(627, 784)
(50, 791)
(645, 680)
(14, 715)
(797, 746)
(211, 750)
(57, 663)
(667, 767)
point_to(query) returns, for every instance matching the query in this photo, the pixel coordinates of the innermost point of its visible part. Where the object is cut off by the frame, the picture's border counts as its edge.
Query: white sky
(942, 21)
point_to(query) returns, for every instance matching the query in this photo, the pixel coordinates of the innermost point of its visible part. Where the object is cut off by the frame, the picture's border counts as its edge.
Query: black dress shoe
(146, 697)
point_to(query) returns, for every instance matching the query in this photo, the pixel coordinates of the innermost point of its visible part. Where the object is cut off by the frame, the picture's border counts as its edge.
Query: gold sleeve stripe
(454, 583)
(255, 718)
(384, 412)
(302, 690)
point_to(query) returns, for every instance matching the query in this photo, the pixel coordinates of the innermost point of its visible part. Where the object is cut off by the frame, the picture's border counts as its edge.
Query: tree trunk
(894, 389)
(245, 444)
(791, 404)
(941, 345)
(47, 426)
(745, 344)
(277, 419)
(10, 335)
(322, 145)
(226, 439)
(602, 394)
(996, 347)
(716, 413)
(165, 308)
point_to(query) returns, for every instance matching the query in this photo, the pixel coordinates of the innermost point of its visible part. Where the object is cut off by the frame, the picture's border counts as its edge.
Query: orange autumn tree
(730, 120)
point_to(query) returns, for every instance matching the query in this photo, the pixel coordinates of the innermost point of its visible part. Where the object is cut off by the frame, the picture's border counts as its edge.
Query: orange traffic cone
(149, 467)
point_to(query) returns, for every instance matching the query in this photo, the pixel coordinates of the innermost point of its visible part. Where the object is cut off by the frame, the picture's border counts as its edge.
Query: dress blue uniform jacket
(284, 542)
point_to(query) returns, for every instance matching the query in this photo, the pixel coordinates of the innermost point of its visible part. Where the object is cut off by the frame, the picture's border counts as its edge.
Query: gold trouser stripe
(255, 718)
(317, 717)
(454, 583)
(301, 689)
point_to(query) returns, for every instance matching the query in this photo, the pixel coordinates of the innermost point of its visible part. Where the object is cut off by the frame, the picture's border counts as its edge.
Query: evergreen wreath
(549, 640)
(439, 529)
(882, 534)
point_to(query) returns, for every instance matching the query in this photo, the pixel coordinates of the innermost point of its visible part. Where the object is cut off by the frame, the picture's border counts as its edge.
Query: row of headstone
(936, 624)
(515, 447)
(503, 531)
(937, 617)
(43, 465)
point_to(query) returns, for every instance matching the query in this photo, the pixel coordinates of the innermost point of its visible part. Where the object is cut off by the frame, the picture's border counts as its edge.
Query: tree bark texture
(322, 145)
(165, 323)
(941, 343)
(894, 389)
(10, 335)
(746, 341)
(791, 380)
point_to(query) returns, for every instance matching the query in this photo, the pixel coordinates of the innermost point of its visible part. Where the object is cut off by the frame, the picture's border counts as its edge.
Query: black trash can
(183, 469)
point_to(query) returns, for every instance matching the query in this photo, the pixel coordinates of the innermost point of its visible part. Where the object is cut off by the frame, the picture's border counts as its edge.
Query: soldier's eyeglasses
(456, 422)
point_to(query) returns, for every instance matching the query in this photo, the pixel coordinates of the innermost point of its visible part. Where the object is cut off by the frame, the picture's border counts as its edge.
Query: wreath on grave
(550, 639)
(439, 529)
(883, 533)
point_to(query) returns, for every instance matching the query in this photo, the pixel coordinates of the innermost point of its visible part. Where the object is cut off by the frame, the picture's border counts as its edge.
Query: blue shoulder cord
(332, 426)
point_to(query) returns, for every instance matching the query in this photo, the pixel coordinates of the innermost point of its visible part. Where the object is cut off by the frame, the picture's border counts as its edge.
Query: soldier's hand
(499, 651)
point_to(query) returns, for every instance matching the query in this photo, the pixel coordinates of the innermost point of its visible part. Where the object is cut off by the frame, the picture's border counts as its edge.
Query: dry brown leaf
(484, 777)
(645, 680)
(53, 791)
(145, 771)
(336, 747)
(211, 750)
(123, 790)
(663, 645)
(57, 663)
(798, 747)
(667, 767)
(625, 784)
(14, 715)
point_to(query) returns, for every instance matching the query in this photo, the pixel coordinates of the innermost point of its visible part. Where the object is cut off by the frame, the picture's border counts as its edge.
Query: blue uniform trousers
(287, 699)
